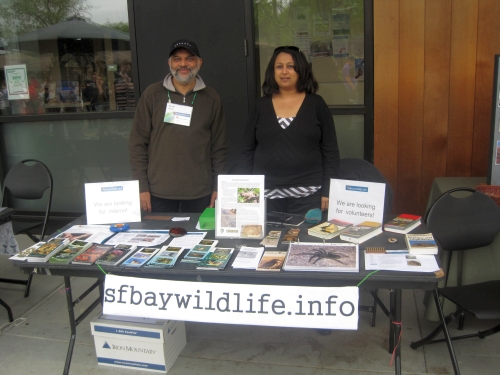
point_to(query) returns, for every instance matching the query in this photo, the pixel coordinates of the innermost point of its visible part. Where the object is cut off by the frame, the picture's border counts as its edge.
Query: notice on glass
(240, 207)
(17, 81)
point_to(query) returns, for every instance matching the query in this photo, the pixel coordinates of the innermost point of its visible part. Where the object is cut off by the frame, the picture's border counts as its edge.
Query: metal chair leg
(451, 350)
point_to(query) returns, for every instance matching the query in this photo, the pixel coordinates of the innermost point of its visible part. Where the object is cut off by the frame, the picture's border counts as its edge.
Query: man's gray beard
(186, 79)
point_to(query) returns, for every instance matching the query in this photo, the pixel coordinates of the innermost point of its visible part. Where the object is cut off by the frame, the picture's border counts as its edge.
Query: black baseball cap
(186, 44)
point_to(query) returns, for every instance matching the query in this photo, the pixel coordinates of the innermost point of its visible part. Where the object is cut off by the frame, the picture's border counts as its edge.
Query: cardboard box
(146, 344)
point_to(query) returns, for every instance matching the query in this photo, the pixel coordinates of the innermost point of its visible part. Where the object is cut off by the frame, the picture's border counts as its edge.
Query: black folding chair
(362, 170)
(29, 179)
(464, 224)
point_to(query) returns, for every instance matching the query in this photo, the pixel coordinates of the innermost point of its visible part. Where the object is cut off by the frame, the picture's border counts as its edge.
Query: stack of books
(404, 223)
(141, 257)
(165, 258)
(421, 244)
(116, 255)
(71, 251)
(217, 259)
(44, 252)
(89, 256)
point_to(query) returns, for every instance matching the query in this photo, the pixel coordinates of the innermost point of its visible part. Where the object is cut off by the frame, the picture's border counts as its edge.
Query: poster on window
(301, 18)
(17, 81)
(340, 45)
(321, 22)
(341, 24)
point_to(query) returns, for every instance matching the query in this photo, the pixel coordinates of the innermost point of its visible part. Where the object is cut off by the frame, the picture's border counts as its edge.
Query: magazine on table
(331, 257)
(140, 237)
(90, 233)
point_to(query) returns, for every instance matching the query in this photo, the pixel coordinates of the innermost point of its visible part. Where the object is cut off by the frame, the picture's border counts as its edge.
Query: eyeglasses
(177, 232)
(291, 48)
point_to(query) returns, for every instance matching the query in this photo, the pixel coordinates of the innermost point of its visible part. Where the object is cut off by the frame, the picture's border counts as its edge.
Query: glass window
(76, 152)
(329, 32)
(73, 56)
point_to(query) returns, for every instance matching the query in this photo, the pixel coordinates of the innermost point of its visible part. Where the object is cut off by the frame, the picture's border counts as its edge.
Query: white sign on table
(113, 202)
(264, 305)
(356, 201)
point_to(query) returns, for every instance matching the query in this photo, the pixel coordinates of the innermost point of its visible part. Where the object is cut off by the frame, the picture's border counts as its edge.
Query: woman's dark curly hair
(305, 83)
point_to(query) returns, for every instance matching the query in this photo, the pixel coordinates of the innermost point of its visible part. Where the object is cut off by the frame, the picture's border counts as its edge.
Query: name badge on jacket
(178, 114)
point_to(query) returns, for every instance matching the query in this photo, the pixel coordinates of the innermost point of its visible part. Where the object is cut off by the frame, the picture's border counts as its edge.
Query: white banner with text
(249, 304)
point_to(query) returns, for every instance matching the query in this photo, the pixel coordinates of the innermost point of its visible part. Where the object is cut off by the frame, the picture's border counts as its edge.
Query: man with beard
(177, 144)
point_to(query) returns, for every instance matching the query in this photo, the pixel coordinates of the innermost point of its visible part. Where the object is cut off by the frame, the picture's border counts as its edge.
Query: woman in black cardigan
(290, 137)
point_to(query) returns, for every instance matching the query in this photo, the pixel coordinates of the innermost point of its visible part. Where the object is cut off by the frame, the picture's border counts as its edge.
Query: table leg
(72, 323)
(391, 317)
(396, 303)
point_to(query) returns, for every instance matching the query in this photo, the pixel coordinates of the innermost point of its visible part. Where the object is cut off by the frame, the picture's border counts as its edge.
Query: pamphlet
(401, 262)
(140, 237)
(248, 257)
(272, 239)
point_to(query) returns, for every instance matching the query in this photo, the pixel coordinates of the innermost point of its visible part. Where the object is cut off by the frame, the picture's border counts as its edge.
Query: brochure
(401, 262)
(248, 257)
(140, 237)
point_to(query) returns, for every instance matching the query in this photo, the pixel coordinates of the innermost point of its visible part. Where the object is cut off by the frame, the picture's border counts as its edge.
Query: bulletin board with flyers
(494, 163)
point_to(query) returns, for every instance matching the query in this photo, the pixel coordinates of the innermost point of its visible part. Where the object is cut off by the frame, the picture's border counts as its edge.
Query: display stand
(240, 208)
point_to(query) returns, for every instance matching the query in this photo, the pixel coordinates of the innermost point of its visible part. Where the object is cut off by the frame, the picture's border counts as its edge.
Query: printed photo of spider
(319, 253)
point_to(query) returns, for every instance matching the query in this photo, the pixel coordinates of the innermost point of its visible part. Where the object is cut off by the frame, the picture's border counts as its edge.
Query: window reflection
(331, 35)
(69, 64)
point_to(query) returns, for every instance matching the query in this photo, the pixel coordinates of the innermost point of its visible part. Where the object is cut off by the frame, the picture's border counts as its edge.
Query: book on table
(271, 261)
(140, 257)
(404, 223)
(331, 257)
(116, 255)
(423, 244)
(22, 255)
(272, 239)
(329, 229)
(217, 259)
(90, 255)
(47, 250)
(165, 258)
(68, 253)
(361, 232)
